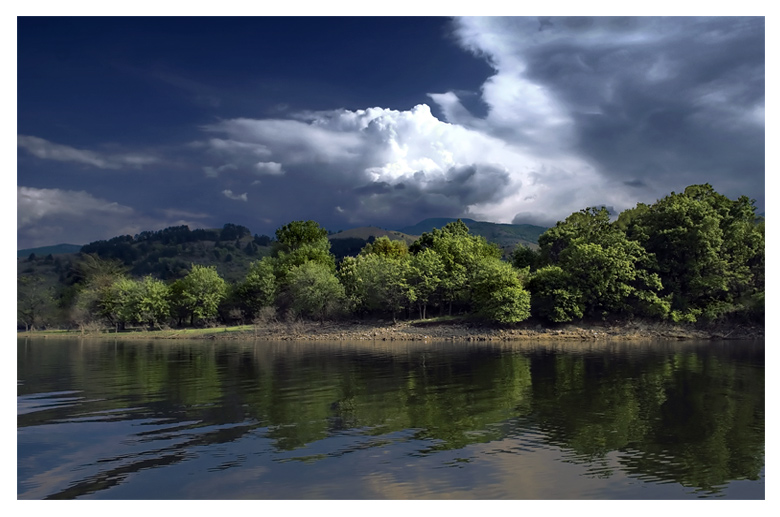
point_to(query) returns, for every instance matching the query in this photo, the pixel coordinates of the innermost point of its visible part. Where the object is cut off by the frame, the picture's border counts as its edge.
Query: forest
(694, 256)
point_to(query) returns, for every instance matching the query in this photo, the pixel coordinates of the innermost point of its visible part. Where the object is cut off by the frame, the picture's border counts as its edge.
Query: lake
(106, 419)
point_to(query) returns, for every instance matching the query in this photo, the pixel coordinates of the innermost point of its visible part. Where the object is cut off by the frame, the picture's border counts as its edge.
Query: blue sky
(127, 124)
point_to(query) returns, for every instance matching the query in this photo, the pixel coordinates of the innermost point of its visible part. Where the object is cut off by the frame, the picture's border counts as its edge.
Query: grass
(139, 333)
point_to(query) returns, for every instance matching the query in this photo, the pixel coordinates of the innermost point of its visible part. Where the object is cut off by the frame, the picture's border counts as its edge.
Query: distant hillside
(58, 249)
(507, 236)
(364, 232)
(169, 253)
(348, 243)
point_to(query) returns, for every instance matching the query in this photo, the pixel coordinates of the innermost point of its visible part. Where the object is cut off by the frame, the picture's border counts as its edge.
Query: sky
(127, 124)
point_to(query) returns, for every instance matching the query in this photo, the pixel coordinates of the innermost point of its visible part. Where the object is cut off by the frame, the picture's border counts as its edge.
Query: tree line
(692, 256)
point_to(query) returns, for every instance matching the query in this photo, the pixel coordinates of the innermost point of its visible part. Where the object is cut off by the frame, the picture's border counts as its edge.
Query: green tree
(424, 277)
(299, 242)
(384, 246)
(707, 250)
(459, 252)
(295, 234)
(605, 272)
(498, 293)
(200, 293)
(315, 291)
(555, 295)
(259, 287)
(349, 277)
(34, 300)
(524, 256)
(150, 301)
(588, 225)
(378, 283)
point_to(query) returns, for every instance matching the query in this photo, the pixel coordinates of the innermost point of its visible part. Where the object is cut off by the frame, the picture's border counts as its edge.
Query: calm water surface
(263, 420)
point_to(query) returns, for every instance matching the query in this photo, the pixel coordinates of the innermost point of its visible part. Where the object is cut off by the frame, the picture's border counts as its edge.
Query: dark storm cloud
(422, 196)
(669, 100)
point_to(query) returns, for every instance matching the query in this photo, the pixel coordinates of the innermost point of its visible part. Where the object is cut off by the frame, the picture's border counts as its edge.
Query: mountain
(58, 249)
(507, 236)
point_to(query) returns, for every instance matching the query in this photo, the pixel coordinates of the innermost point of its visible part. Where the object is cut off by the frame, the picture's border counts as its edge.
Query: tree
(424, 277)
(554, 295)
(299, 242)
(33, 300)
(605, 272)
(459, 252)
(384, 246)
(259, 287)
(200, 293)
(315, 291)
(150, 301)
(707, 250)
(295, 234)
(498, 293)
(524, 256)
(386, 286)
(589, 225)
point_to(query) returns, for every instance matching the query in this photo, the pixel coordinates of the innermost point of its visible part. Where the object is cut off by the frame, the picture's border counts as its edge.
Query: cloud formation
(51, 216)
(580, 112)
(236, 197)
(576, 112)
(662, 102)
(47, 150)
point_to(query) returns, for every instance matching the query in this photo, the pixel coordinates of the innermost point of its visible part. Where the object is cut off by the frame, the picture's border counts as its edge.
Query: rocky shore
(457, 330)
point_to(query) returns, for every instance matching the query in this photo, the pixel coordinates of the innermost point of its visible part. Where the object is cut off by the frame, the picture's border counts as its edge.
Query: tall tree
(424, 277)
(33, 300)
(459, 252)
(200, 293)
(315, 291)
(498, 293)
(299, 242)
(708, 250)
(259, 287)
(601, 271)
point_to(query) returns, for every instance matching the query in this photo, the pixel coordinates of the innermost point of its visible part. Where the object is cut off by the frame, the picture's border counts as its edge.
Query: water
(244, 420)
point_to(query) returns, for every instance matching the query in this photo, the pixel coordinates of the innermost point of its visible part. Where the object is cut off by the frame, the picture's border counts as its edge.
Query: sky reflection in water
(204, 420)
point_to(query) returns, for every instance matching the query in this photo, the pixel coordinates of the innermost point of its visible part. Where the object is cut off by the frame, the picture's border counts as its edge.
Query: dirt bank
(438, 330)
(471, 331)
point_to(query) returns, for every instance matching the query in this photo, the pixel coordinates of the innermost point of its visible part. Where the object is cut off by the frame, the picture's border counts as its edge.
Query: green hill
(348, 243)
(366, 232)
(507, 236)
(58, 249)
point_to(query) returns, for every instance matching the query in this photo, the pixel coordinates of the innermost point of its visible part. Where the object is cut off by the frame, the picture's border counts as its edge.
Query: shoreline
(436, 330)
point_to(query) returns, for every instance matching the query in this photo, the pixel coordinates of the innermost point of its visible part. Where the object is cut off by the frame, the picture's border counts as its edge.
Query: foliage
(523, 256)
(554, 295)
(498, 293)
(459, 253)
(316, 292)
(300, 242)
(424, 277)
(258, 289)
(384, 246)
(707, 250)
(33, 300)
(378, 283)
(688, 257)
(200, 293)
(149, 302)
